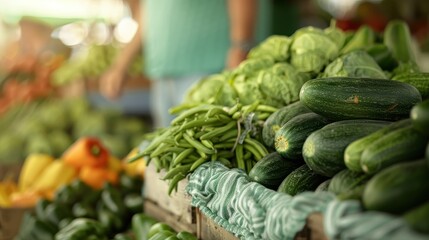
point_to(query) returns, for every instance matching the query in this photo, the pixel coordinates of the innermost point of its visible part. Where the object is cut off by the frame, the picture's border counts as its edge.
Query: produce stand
(10, 221)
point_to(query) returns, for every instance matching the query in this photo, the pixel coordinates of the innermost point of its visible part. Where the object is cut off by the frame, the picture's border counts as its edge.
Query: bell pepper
(86, 151)
(141, 223)
(81, 209)
(184, 235)
(81, 188)
(133, 202)
(56, 212)
(96, 177)
(112, 199)
(122, 236)
(40, 208)
(110, 221)
(66, 195)
(163, 235)
(159, 227)
(35, 229)
(130, 184)
(82, 229)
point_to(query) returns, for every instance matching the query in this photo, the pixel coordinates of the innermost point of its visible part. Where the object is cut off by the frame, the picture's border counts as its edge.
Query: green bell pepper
(134, 203)
(110, 221)
(112, 200)
(55, 213)
(163, 235)
(82, 229)
(130, 184)
(81, 209)
(35, 229)
(66, 195)
(40, 208)
(186, 236)
(158, 227)
(122, 236)
(141, 223)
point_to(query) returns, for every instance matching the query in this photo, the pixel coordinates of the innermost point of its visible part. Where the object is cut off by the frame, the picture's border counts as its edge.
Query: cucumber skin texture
(398, 188)
(272, 169)
(323, 150)
(420, 117)
(300, 180)
(400, 145)
(341, 98)
(418, 217)
(293, 134)
(419, 80)
(353, 152)
(346, 180)
(278, 119)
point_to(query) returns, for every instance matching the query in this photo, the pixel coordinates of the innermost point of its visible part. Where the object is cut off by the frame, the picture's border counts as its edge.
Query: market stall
(320, 134)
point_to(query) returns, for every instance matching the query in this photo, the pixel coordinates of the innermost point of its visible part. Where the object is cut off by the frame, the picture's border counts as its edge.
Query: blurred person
(183, 41)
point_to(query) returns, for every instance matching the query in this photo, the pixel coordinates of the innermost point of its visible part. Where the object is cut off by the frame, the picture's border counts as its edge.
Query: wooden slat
(209, 230)
(315, 224)
(10, 221)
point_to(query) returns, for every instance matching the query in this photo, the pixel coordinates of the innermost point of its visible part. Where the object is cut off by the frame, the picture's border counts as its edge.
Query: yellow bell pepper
(33, 166)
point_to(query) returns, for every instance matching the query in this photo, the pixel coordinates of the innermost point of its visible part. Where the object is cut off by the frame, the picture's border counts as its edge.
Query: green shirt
(189, 37)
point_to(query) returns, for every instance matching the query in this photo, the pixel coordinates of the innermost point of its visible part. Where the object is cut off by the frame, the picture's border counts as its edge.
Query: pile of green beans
(208, 133)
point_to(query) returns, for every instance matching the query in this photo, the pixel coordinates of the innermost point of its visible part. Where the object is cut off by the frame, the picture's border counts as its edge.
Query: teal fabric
(188, 37)
(251, 211)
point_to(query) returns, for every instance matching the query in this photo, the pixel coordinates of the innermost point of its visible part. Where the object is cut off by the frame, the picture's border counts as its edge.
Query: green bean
(190, 132)
(213, 157)
(216, 111)
(177, 138)
(257, 145)
(249, 166)
(185, 106)
(237, 115)
(167, 149)
(250, 108)
(190, 159)
(247, 155)
(197, 163)
(218, 131)
(266, 108)
(155, 142)
(200, 123)
(255, 152)
(225, 162)
(197, 144)
(225, 154)
(263, 116)
(208, 144)
(232, 134)
(188, 113)
(239, 156)
(227, 145)
(181, 156)
(174, 182)
(234, 109)
(176, 170)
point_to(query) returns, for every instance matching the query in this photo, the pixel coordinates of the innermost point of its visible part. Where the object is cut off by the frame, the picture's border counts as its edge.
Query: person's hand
(111, 83)
(235, 56)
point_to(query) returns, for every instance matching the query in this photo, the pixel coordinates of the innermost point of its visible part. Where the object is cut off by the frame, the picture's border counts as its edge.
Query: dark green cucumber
(419, 80)
(397, 38)
(427, 153)
(323, 187)
(347, 180)
(418, 217)
(272, 169)
(359, 98)
(300, 180)
(363, 37)
(356, 193)
(353, 152)
(278, 119)
(398, 188)
(382, 56)
(291, 136)
(420, 117)
(400, 145)
(323, 151)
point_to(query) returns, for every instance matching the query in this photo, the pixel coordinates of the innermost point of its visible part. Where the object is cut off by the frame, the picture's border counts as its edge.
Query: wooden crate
(207, 229)
(11, 170)
(10, 221)
(315, 226)
(175, 209)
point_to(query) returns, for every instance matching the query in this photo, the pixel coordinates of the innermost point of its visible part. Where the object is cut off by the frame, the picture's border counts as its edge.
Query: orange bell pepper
(96, 177)
(86, 151)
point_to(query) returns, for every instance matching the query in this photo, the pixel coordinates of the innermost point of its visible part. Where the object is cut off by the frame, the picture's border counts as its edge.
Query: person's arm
(242, 18)
(112, 81)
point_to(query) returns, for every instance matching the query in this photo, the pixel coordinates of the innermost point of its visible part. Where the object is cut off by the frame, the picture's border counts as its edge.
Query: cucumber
(397, 38)
(418, 217)
(363, 37)
(271, 170)
(347, 180)
(382, 56)
(342, 98)
(419, 80)
(355, 193)
(353, 152)
(323, 187)
(403, 144)
(420, 117)
(398, 188)
(291, 136)
(300, 180)
(278, 119)
(323, 150)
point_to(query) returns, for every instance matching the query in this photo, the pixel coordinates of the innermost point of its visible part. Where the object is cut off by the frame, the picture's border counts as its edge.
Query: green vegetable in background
(82, 229)
(141, 224)
(160, 227)
(186, 236)
(276, 47)
(361, 39)
(56, 212)
(354, 64)
(35, 229)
